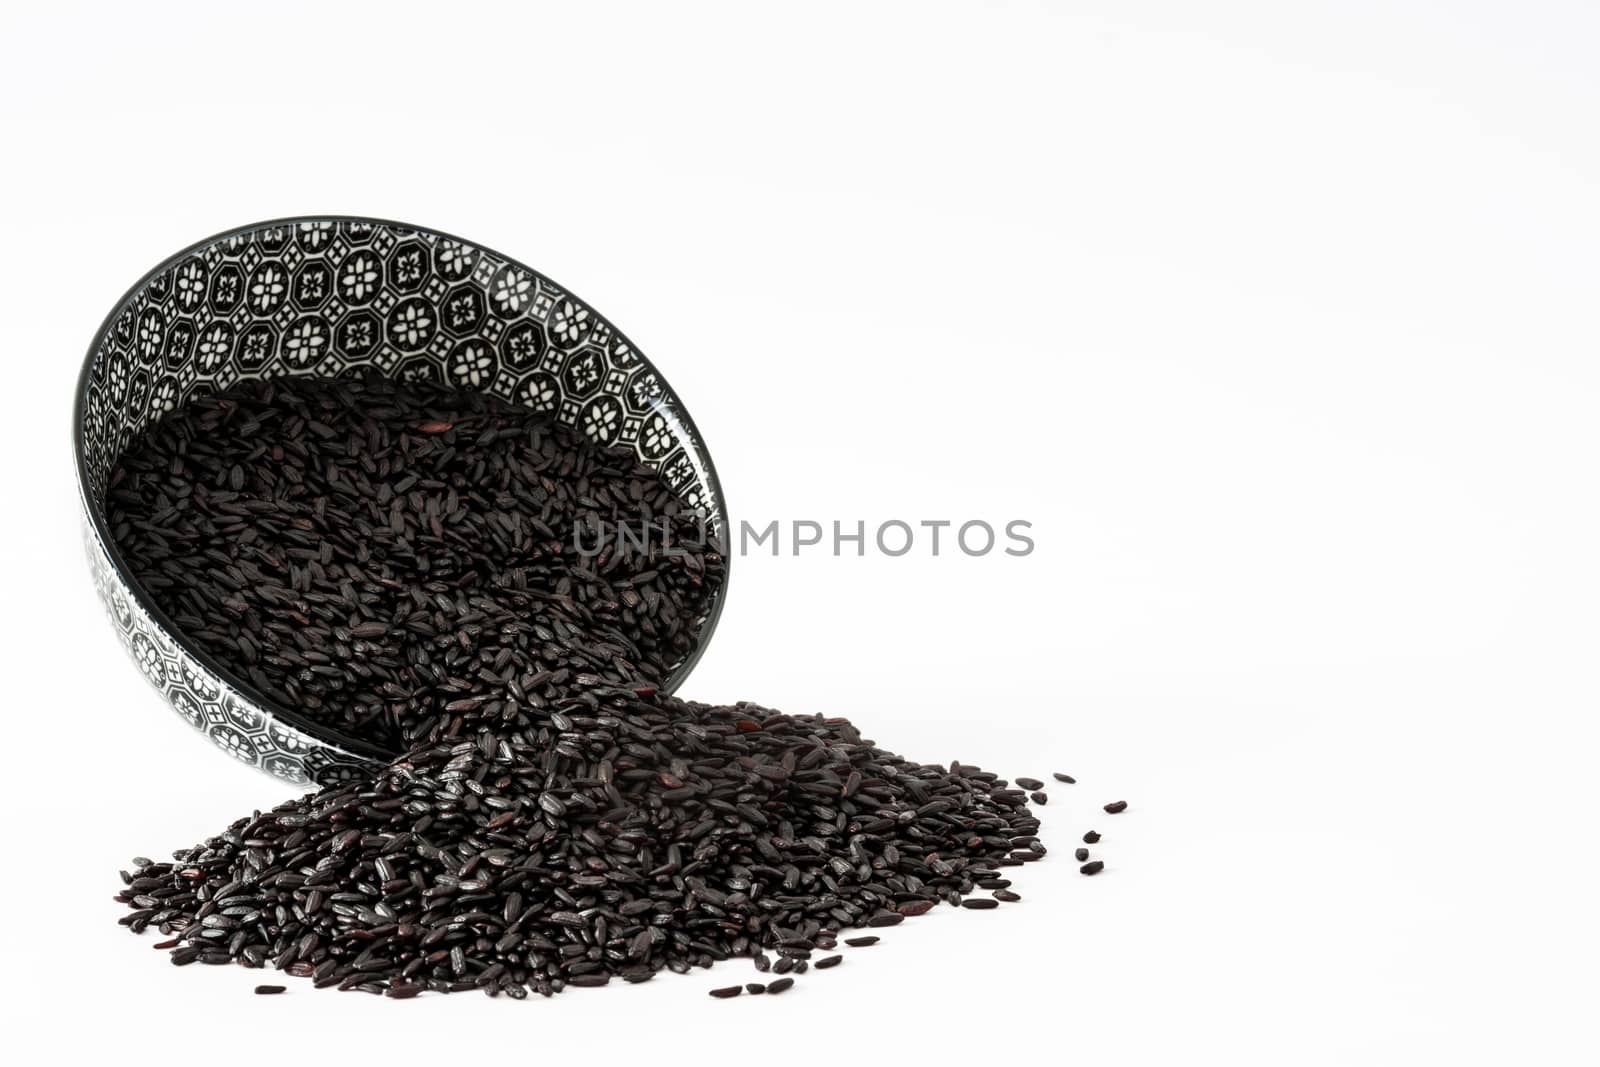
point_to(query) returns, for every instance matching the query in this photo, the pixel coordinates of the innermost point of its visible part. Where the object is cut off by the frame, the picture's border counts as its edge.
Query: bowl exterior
(325, 297)
(233, 722)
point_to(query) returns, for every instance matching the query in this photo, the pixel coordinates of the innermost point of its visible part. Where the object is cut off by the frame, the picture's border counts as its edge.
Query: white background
(1278, 321)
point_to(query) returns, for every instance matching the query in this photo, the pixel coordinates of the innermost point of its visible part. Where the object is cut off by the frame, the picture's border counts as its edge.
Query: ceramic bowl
(329, 296)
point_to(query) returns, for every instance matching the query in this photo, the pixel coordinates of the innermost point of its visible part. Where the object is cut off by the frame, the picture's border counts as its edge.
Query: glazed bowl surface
(327, 296)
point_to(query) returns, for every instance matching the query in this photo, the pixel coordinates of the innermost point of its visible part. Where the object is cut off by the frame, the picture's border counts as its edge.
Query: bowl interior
(330, 296)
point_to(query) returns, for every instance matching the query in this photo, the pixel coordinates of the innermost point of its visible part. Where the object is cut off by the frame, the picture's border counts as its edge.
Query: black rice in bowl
(377, 555)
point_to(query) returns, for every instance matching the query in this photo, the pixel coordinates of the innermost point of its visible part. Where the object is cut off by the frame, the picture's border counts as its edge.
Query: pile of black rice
(405, 564)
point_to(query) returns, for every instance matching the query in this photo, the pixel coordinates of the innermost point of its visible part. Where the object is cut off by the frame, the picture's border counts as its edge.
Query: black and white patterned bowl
(327, 296)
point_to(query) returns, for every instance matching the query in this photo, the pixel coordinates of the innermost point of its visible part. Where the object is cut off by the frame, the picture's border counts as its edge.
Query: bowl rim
(352, 746)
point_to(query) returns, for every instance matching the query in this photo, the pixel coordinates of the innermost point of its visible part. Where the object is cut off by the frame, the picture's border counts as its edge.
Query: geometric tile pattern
(330, 296)
(234, 723)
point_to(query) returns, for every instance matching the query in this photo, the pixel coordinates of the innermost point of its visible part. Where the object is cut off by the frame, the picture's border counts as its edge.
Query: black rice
(444, 869)
(381, 556)
(399, 563)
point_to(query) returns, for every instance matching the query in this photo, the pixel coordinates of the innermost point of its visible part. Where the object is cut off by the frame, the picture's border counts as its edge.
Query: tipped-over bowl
(326, 296)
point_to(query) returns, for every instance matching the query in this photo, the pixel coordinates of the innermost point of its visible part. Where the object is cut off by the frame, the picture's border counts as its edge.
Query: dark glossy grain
(399, 562)
(381, 557)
